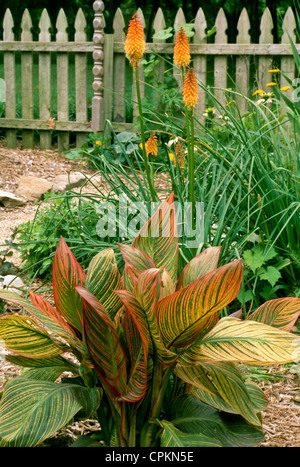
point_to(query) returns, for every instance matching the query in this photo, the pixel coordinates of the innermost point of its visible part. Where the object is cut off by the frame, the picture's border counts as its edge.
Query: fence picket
(200, 62)
(243, 62)
(62, 64)
(288, 63)
(9, 78)
(27, 77)
(119, 69)
(220, 63)
(179, 21)
(159, 24)
(80, 75)
(45, 79)
(266, 37)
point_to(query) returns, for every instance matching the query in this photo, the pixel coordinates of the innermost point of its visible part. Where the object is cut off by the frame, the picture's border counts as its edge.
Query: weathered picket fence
(109, 69)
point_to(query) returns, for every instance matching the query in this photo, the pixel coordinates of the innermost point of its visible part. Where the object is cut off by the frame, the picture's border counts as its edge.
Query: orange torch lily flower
(190, 89)
(181, 56)
(135, 45)
(151, 145)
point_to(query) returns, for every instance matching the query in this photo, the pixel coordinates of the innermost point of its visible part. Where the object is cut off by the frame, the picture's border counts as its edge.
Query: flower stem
(138, 93)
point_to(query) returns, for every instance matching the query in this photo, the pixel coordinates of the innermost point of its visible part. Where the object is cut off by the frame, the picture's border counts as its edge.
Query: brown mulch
(281, 419)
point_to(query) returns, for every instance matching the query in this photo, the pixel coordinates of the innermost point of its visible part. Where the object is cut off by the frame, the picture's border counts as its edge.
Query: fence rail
(109, 85)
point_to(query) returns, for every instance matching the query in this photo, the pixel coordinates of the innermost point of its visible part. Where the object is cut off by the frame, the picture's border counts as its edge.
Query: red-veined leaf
(136, 261)
(182, 315)
(200, 265)
(67, 273)
(280, 313)
(103, 343)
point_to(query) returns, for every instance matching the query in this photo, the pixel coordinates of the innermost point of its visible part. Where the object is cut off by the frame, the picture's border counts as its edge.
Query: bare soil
(281, 419)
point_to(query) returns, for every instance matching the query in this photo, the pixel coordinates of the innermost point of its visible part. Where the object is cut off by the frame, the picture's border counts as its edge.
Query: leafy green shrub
(152, 361)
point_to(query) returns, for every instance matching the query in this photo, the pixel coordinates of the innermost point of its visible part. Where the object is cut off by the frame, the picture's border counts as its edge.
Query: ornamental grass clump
(143, 350)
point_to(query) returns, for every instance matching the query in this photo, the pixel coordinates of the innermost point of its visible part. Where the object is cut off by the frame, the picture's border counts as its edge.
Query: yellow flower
(230, 102)
(275, 70)
(135, 45)
(151, 145)
(258, 91)
(285, 88)
(181, 55)
(98, 143)
(271, 84)
(190, 89)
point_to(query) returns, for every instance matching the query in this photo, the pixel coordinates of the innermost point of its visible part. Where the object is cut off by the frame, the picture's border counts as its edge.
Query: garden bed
(281, 419)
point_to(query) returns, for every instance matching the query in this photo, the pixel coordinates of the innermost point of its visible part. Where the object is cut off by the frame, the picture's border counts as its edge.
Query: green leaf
(164, 34)
(190, 415)
(271, 275)
(254, 259)
(173, 438)
(46, 407)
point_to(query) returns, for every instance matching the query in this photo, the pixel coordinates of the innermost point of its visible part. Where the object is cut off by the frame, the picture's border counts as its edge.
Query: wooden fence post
(27, 77)
(119, 70)
(98, 55)
(9, 78)
(45, 80)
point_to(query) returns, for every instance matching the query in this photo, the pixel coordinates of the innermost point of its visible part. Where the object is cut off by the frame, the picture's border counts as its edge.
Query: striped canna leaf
(138, 351)
(281, 313)
(205, 262)
(46, 407)
(182, 316)
(103, 343)
(67, 273)
(146, 322)
(250, 342)
(46, 315)
(157, 238)
(22, 336)
(136, 261)
(103, 278)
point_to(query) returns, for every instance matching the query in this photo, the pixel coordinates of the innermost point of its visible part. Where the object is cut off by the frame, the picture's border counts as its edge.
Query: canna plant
(143, 352)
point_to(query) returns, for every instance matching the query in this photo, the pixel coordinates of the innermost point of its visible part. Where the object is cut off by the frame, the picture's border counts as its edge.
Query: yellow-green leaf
(233, 340)
(23, 336)
(103, 279)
